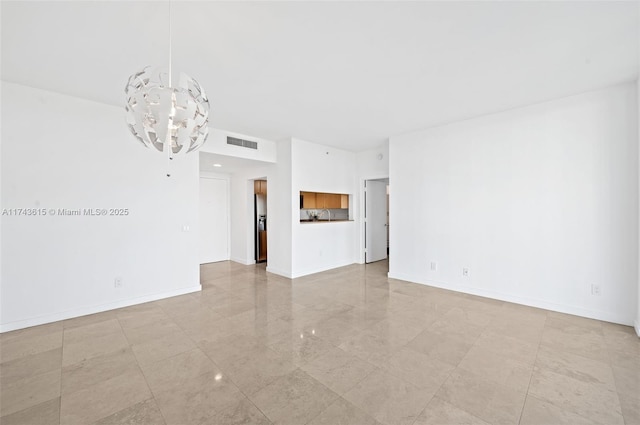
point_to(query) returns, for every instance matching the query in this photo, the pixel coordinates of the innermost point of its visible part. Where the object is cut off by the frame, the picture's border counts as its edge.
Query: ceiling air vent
(243, 143)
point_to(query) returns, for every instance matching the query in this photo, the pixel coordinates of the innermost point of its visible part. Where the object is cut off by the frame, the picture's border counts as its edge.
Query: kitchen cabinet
(328, 200)
(320, 201)
(309, 200)
(344, 201)
(262, 254)
(335, 201)
(260, 187)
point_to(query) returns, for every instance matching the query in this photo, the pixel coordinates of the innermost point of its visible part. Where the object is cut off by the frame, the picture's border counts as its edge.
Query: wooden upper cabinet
(260, 187)
(309, 200)
(332, 200)
(344, 201)
(328, 200)
(315, 200)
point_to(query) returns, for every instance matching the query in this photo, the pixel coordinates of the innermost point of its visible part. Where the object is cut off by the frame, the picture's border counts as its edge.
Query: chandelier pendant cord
(170, 43)
(169, 143)
(172, 119)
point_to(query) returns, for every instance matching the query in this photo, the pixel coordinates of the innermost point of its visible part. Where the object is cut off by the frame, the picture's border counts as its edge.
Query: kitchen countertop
(306, 220)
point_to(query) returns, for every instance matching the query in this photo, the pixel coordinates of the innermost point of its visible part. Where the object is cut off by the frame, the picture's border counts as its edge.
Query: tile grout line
(435, 394)
(153, 397)
(615, 384)
(61, 367)
(590, 359)
(533, 367)
(615, 381)
(230, 379)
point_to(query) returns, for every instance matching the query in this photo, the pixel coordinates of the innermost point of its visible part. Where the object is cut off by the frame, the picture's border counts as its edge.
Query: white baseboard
(531, 302)
(244, 261)
(305, 272)
(278, 272)
(636, 326)
(77, 312)
(313, 270)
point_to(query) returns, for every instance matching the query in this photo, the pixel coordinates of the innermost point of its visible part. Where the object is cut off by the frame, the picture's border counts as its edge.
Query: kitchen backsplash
(336, 214)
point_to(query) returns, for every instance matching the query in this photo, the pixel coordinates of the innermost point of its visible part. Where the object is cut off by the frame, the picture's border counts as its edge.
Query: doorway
(376, 220)
(260, 219)
(214, 220)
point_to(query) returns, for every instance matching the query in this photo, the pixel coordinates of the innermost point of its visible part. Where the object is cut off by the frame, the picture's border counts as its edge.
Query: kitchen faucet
(328, 213)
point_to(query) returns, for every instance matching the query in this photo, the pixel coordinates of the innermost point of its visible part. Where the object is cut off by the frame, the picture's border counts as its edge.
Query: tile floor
(347, 346)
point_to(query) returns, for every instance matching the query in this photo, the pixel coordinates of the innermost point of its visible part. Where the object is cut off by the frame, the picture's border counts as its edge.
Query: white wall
(538, 202)
(227, 204)
(370, 165)
(321, 246)
(65, 152)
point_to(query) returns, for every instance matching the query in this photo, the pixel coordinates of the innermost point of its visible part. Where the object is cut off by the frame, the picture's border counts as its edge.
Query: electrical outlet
(434, 266)
(595, 289)
(117, 283)
(465, 272)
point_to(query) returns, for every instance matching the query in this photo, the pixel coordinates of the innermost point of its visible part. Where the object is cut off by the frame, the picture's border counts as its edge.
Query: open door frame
(361, 213)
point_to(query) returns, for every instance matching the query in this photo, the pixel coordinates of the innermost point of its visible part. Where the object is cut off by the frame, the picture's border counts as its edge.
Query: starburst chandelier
(171, 119)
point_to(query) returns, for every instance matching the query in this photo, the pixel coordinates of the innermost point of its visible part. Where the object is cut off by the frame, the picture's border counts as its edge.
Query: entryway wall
(214, 229)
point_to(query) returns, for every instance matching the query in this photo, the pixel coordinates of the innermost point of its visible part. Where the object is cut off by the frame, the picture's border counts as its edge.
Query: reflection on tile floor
(347, 346)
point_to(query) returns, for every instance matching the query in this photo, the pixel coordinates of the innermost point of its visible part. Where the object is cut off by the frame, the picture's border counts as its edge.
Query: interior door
(214, 220)
(375, 221)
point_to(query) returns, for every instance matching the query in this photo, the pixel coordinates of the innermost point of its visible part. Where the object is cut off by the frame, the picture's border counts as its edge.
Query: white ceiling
(346, 74)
